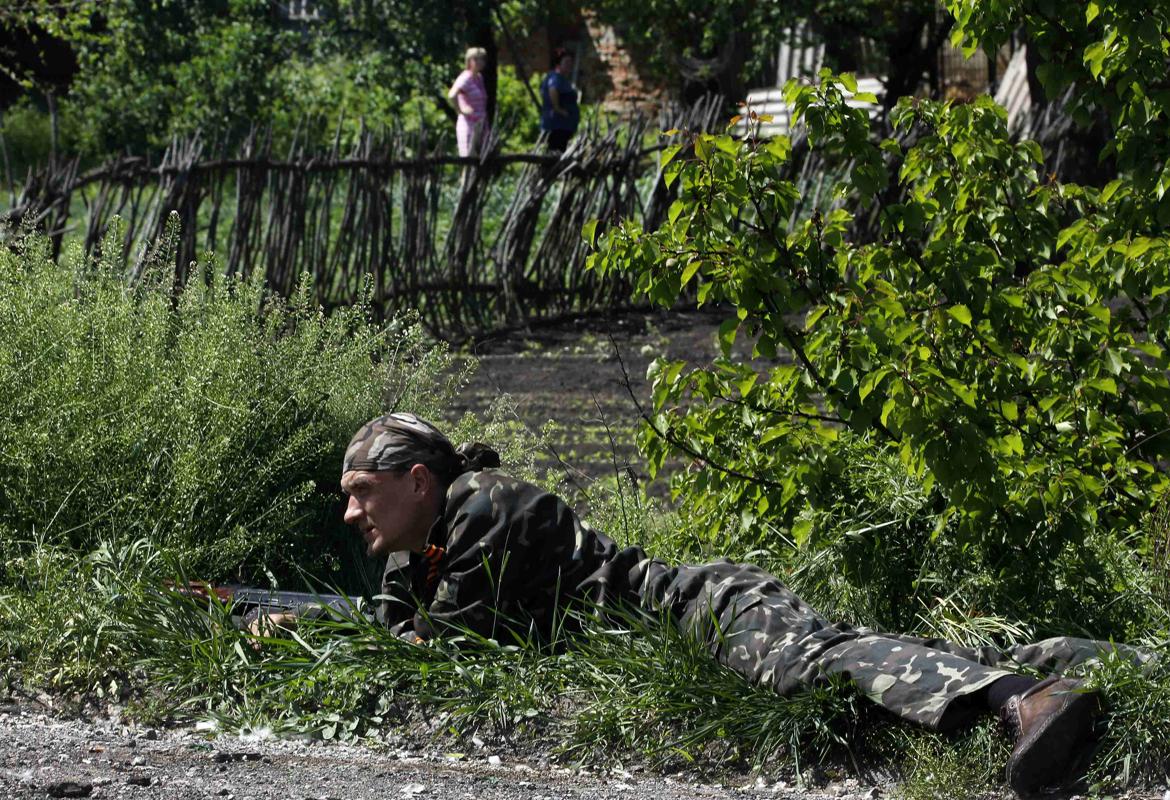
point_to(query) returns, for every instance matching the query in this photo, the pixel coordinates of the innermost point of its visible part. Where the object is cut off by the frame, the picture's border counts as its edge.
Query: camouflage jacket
(504, 554)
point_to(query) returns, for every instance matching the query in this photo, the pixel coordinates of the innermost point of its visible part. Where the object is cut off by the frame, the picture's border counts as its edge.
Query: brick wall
(629, 91)
(606, 72)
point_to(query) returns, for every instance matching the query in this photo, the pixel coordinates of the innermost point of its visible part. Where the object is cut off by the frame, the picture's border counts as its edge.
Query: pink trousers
(469, 132)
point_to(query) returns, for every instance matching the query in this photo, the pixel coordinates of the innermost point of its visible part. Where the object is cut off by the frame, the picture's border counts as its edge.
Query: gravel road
(44, 756)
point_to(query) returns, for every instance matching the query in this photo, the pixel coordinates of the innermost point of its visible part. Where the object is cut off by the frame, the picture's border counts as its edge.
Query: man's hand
(272, 624)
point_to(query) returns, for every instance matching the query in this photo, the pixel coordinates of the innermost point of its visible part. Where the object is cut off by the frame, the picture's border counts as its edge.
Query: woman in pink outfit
(469, 95)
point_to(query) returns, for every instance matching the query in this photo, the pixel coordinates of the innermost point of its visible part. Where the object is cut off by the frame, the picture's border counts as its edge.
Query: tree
(32, 59)
(1004, 335)
(726, 44)
(1108, 62)
(148, 70)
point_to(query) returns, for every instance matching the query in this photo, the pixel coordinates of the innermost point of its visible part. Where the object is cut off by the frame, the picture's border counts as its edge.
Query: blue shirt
(549, 119)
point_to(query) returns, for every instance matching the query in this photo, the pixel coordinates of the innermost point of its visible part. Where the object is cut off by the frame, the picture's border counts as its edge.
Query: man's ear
(422, 479)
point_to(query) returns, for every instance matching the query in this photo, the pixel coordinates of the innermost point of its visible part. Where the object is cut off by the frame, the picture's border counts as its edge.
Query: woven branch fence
(471, 244)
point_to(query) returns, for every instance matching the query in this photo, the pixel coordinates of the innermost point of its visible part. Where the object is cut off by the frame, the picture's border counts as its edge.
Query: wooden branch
(373, 210)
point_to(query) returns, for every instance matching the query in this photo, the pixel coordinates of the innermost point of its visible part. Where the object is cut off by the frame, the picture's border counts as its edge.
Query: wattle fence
(472, 244)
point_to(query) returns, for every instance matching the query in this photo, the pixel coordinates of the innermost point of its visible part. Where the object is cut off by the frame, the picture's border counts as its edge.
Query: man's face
(389, 509)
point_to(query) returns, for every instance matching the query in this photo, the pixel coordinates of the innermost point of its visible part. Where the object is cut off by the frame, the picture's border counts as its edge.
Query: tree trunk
(54, 126)
(7, 163)
(911, 59)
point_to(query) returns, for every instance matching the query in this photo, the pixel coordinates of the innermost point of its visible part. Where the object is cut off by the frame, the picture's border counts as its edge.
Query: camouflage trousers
(762, 630)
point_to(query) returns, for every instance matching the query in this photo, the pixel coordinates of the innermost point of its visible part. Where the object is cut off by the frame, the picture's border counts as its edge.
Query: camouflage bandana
(397, 442)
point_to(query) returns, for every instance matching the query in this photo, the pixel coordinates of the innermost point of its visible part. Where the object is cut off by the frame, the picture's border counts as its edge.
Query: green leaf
(704, 148)
(961, 313)
(887, 408)
(1010, 411)
(1015, 444)
(1107, 385)
(872, 380)
(589, 232)
(689, 271)
(1110, 189)
(962, 391)
(780, 147)
(1139, 247)
(728, 145)
(1095, 58)
(801, 531)
(813, 316)
(727, 331)
(670, 152)
(745, 385)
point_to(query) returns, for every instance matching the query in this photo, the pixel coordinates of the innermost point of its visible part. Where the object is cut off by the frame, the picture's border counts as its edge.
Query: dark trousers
(559, 140)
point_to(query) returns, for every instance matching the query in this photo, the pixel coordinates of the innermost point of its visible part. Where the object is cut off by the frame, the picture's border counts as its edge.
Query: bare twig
(677, 443)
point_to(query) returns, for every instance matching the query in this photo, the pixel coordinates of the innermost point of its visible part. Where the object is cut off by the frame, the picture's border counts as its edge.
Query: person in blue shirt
(559, 114)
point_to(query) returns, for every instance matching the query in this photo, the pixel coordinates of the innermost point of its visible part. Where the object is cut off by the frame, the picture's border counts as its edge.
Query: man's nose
(353, 512)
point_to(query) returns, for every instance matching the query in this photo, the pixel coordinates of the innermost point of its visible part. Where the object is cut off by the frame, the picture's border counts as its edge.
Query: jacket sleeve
(493, 535)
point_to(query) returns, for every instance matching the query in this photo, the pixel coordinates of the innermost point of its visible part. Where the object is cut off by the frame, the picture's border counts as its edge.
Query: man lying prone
(487, 550)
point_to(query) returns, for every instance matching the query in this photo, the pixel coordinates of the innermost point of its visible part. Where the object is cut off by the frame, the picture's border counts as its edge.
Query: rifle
(246, 603)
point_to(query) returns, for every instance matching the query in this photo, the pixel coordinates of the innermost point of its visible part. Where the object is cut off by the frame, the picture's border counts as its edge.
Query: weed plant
(212, 424)
(1135, 746)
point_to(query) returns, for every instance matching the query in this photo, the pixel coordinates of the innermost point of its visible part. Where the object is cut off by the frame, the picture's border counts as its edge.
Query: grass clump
(935, 765)
(60, 613)
(648, 688)
(211, 423)
(630, 686)
(202, 430)
(1135, 747)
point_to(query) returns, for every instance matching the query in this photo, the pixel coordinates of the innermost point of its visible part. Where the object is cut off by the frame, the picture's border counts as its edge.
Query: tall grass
(212, 424)
(640, 687)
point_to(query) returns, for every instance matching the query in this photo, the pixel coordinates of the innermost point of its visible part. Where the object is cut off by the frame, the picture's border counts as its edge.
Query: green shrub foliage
(1005, 335)
(1106, 60)
(211, 423)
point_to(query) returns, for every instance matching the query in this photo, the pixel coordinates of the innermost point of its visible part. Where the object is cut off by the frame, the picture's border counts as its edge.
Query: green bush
(516, 113)
(27, 132)
(322, 95)
(1001, 340)
(211, 424)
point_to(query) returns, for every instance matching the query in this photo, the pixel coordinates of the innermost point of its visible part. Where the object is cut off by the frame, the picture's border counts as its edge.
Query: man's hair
(474, 52)
(557, 55)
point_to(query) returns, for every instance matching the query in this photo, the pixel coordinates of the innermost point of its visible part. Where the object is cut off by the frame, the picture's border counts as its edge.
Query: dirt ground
(43, 756)
(573, 375)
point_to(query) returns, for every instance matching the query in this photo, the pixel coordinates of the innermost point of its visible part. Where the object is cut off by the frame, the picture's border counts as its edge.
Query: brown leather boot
(1051, 722)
